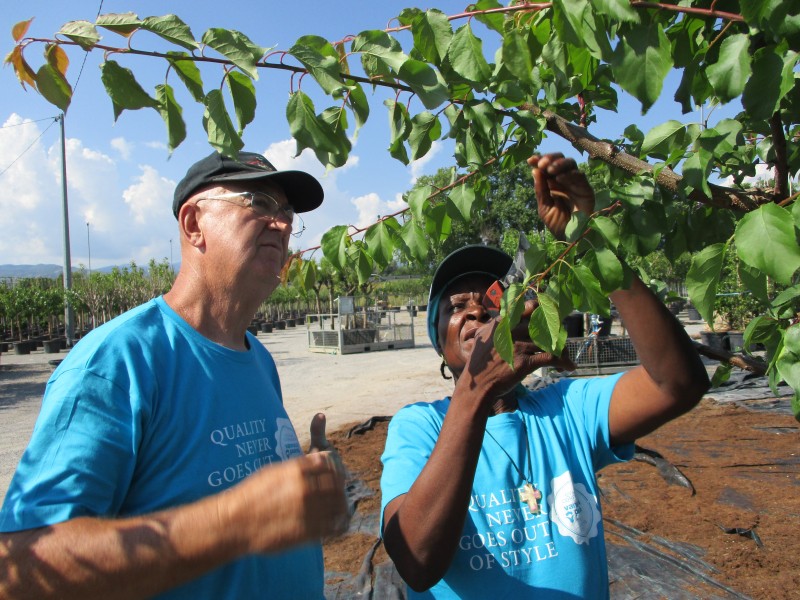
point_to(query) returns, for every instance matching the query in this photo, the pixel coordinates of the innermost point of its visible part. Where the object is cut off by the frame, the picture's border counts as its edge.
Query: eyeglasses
(264, 205)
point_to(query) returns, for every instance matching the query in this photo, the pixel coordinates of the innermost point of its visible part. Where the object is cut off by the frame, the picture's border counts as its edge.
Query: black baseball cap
(302, 190)
(469, 260)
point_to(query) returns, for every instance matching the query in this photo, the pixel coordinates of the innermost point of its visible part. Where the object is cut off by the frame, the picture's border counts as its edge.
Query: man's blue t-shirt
(506, 550)
(146, 414)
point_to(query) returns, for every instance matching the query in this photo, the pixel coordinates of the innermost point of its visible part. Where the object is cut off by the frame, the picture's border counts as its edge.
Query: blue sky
(120, 175)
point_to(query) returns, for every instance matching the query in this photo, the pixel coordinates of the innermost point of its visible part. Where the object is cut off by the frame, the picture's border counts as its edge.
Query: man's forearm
(120, 558)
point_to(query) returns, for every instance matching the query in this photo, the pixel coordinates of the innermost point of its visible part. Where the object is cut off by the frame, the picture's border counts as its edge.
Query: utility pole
(69, 324)
(89, 247)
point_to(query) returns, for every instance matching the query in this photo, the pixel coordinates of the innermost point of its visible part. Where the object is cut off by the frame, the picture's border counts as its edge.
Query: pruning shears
(516, 274)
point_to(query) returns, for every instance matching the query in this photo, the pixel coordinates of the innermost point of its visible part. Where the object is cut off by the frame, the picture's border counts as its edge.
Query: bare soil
(743, 515)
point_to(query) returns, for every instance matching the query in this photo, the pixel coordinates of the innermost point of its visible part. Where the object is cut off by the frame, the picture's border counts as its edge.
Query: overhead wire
(30, 146)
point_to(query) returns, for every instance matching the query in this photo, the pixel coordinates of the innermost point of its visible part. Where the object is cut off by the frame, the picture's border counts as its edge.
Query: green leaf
(416, 242)
(619, 10)
(236, 47)
(535, 257)
(321, 60)
(308, 275)
(218, 125)
(607, 228)
(123, 89)
(82, 33)
(463, 197)
(243, 93)
(605, 265)
(788, 362)
(785, 297)
(310, 131)
(334, 245)
(730, 73)
(579, 26)
(53, 86)
(425, 129)
(588, 293)
(172, 113)
(503, 342)
(641, 61)
(517, 55)
(172, 29)
(400, 126)
(438, 224)
(188, 73)
(766, 239)
(426, 82)
(697, 169)
(359, 105)
(545, 328)
(661, 138)
(512, 304)
(380, 45)
(494, 20)
(122, 23)
(381, 239)
(358, 257)
(721, 374)
(763, 330)
(418, 200)
(755, 281)
(703, 279)
(466, 57)
(432, 34)
(771, 80)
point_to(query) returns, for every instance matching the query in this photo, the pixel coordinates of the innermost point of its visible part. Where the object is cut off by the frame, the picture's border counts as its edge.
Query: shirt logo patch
(574, 509)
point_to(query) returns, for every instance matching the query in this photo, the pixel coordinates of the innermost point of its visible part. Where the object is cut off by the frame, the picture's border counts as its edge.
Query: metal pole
(68, 314)
(89, 246)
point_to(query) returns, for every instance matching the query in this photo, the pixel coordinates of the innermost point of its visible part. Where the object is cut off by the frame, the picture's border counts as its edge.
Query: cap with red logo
(302, 190)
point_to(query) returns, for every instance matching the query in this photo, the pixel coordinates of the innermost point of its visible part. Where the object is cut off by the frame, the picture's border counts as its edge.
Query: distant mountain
(51, 271)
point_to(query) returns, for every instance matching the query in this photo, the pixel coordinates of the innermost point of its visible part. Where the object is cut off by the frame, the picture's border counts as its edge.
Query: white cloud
(150, 198)
(763, 172)
(122, 146)
(370, 207)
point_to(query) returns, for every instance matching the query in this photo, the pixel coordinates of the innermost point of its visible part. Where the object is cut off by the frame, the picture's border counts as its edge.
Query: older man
(163, 460)
(491, 493)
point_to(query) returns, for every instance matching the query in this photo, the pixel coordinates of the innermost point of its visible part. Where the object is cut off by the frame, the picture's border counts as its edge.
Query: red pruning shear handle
(516, 273)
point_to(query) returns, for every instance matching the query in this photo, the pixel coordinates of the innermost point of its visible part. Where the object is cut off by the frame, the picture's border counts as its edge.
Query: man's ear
(189, 224)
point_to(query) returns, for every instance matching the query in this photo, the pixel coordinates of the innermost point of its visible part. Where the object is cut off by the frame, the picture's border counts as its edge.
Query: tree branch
(580, 138)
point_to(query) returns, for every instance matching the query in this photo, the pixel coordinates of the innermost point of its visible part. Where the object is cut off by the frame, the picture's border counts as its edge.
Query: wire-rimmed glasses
(264, 205)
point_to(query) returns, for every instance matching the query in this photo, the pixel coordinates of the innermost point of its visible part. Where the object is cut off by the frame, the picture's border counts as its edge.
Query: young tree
(558, 66)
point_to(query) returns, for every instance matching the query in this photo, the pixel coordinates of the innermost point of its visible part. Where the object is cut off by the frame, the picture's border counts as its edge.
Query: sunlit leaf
(641, 61)
(217, 122)
(466, 56)
(82, 33)
(415, 240)
(730, 73)
(172, 114)
(321, 60)
(122, 23)
(236, 47)
(123, 89)
(19, 29)
(172, 29)
(334, 246)
(53, 86)
(545, 326)
(188, 73)
(56, 56)
(432, 34)
(381, 239)
(243, 93)
(22, 70)
(766, 239)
